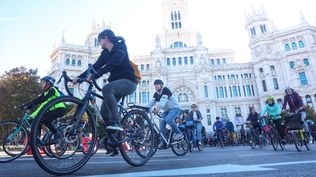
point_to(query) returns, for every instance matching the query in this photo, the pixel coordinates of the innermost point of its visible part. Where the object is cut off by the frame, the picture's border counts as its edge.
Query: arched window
(235, 93)
(306, 62)
(79, 63)
(174, 61)
(294, 46)
(205, 91)
(147, 66)
(275, 84)
(248, 91)
(178, 44)
(168, 61)
(292, 64)
(303, 78)
(301, 44)
(191, 60)
(67, 61)
(142, 67)
(264, 85)
(309, 100)
(221, 92)
(217, 95)
(180, 61)
(287, 47)
(73, 62)
(185, 60)
(183, 97)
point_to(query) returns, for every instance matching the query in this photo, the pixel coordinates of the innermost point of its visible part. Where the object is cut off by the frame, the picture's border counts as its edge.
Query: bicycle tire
(252, 141)
(274, 140)
(200, 146)
(138, 136)
(297, 142)
(181, 145)
(47, 165)
(4, 139)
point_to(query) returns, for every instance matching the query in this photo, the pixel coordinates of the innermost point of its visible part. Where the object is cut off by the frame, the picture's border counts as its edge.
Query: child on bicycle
(49, 92)
(170, 105)
(274, 111)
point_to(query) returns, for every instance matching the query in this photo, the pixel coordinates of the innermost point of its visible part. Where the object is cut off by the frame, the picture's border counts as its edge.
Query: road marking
(263, 154)
(162, 160)
(215, 169)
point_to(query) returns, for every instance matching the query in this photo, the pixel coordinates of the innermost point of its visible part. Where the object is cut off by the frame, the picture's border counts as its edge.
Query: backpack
(136, 72)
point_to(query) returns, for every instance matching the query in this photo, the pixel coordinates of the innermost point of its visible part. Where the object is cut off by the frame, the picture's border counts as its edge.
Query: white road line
(118, 162)
(215, 169)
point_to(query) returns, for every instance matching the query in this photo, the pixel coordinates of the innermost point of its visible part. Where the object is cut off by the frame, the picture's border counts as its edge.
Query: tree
(17, 86)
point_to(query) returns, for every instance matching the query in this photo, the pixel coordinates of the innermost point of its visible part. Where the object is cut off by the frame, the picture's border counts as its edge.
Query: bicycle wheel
(156, 143)
(252, 140)
(86, 141)
(200, 146)
(13, 141)
(306, 141)
(137, 142)
(180, 147)
(66, 158)
(274, 140)
(297, 141)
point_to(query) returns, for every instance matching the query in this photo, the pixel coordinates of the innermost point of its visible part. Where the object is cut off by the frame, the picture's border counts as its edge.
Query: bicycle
(219, 134)
(137, 135)
(295, 128)
(14, 138)
(191, 132)
(254, 138)
(275, 138)
(179, 147)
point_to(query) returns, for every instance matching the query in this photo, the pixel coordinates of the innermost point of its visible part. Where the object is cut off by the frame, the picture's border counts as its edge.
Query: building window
(292, 64)
(185, 60)
(261, 70)
(174, 61)
(232, 76)
(180, 61)
(168, 61)
(73, 62)
(212, 61)
(218, 61)
(264, 85)
(294, 46)
(263, 28)
(303, 78)
(217, 95)
(79, 63)
(272, 68)
(142, 67)
(287, 47)
(237, 111)
(248, 91)
(191, 60)
(224, 60)
(209, 120)
(221, 92)
(183, 97)
(306, 62)
(253, 91)
(235, 93)
(309, 101)
(225, 92)
(243, 88)
(219, 77)
(147, 66)
(205, 91)
(301, 44)
(246, 75)
(275, 84)
(67, 61)
(224, 112)
(239, 91)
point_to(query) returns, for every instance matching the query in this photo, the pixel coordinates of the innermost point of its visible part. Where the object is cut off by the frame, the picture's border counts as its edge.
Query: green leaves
(17, 86)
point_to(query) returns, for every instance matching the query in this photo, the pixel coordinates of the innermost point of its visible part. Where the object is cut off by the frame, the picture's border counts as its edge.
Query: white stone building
(210, 78)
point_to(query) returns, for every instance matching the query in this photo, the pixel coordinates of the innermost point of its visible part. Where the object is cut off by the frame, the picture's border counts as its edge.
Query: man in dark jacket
(295, 102)
(253, 118)
(197, 117)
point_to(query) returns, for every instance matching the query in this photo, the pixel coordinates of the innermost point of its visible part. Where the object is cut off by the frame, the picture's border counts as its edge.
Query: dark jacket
(116, 62)
(295, 101)
(198, 114)
(229, 126)
(253, 117)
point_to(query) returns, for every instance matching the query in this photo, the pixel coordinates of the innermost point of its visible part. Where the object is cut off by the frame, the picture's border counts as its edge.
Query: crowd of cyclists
(185, 124)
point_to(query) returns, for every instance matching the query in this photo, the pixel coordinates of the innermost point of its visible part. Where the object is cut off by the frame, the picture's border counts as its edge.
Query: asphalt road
(212, 161)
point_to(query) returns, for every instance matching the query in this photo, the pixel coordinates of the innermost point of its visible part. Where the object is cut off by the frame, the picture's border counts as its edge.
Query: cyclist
(49, 92)
(122, 80)
(254, 119)
(295, 102)
(170, 105)
(218, 125)
(197, 118)
(229, 127)
(274, 111)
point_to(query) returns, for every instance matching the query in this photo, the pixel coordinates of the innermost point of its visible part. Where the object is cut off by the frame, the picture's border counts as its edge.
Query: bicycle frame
(157, 130)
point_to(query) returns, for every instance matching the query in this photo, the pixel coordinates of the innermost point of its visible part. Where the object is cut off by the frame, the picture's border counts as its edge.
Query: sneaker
(115, 152)
(115, 126)
(178, 136)
(162, 146)
(283, 141)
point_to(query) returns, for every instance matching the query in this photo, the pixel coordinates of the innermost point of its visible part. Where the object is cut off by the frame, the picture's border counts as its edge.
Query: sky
(29, 28)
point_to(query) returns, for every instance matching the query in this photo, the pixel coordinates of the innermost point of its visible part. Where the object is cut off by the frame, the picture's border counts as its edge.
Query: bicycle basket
(293, 121)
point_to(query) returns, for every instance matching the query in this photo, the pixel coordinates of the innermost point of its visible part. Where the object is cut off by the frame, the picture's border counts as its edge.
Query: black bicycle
(254, 136)
(135, 142)
(275, 138)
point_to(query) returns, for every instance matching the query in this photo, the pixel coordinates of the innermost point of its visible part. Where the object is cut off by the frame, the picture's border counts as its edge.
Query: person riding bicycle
(197, 120)
(218, 125)
(49, 92)
(254, 119)
(274, 111)
(122, 80)
(168, 102)
(295, 102)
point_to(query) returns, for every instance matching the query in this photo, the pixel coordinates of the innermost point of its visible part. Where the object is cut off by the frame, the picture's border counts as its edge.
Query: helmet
(158, 81)
(49, 79)
(287, 89)
(270, 98)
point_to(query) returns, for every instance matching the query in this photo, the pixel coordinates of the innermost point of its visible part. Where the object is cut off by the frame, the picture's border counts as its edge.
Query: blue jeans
(169, 118)
(198, 127)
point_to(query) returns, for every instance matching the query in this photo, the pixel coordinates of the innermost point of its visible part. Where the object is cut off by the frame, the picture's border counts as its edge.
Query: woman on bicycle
(254, 119)
(49, 92)
(122, 80)
(274, 111)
